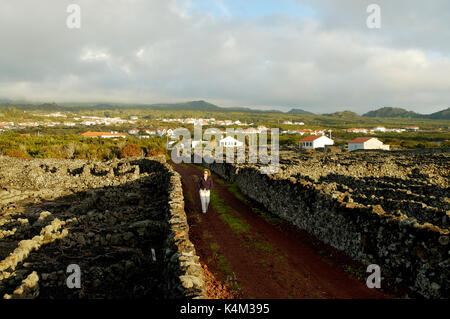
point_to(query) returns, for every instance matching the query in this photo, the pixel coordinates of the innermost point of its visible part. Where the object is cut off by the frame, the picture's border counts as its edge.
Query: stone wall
(184, 274)
(121, 221)
(372, 214)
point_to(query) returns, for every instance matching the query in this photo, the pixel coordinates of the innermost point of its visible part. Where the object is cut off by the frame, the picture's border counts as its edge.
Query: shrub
(130, 150)
(153, 152)
(17, 153)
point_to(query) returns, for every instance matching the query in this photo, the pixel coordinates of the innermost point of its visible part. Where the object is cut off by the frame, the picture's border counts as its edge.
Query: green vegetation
(223, 264)
(219, 204)
(77, 147)
(233, 188)
(263, 246)
(267, 216)
(356, 272)
(237, 225)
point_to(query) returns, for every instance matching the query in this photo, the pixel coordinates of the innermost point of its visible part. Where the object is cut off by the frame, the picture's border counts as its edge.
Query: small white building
(313, 141)
(358, 130)
(133, 131)
(380, 129)
(150, 132)
(366, 143)
(170, 133)
(230, 142)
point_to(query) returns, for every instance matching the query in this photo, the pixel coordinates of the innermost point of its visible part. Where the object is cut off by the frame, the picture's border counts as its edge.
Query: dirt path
(249, 253)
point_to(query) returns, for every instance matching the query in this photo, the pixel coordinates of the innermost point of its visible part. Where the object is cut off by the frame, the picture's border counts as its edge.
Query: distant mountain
(399, 112)
(193, 105)
(205, 106)
(28, 107)
(392, 112)
(298, 111)
(343, 114)
(441, 115)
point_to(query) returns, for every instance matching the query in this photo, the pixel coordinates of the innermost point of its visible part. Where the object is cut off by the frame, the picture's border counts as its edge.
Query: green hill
(343, 115)
(298, 111)
(399, 112)
(441, 115)
(392, 112)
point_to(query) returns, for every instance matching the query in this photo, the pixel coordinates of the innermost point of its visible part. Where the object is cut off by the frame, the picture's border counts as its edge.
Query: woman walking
(204, 185)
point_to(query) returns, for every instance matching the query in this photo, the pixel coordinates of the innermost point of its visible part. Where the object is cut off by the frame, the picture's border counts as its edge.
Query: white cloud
(156, 51)
(95, 55)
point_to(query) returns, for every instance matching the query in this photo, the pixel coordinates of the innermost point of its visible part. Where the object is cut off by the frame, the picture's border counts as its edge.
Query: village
(314, 138)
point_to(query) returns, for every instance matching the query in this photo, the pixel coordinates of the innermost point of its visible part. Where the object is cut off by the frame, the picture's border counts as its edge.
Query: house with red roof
(315, 141)
(366, 143)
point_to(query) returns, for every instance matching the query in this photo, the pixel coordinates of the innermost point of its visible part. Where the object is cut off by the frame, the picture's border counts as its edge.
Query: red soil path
(298, 266)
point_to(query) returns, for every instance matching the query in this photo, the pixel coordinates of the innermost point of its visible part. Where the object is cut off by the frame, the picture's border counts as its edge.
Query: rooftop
(311, 138)
(361, 139)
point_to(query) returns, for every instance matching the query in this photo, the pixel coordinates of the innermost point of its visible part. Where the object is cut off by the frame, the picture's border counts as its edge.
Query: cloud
(165, 51)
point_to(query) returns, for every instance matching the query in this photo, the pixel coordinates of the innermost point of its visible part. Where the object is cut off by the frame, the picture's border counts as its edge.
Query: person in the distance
(204, 185)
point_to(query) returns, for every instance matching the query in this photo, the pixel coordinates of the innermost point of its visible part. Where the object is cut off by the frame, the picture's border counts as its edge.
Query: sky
(317, 55)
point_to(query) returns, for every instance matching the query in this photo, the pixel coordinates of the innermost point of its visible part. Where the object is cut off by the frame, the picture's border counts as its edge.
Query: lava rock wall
(122, 222)
(391, 210)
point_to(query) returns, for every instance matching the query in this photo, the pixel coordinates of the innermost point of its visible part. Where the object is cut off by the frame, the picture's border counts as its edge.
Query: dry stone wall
(122, 222)
(390, 210)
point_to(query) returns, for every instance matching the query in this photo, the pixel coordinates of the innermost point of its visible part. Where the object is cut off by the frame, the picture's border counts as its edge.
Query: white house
(150, 132)
(161, 132)
(314, 141)
(380, 129)
(170, 133)
(230, 142)
(366, 143)
(358, 130)
(133, 131)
